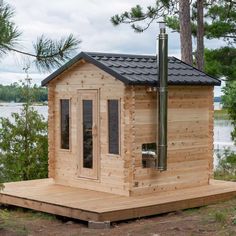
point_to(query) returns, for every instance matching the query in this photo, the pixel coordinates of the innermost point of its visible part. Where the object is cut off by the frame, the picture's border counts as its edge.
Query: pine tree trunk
(200, 36)
(185, 32)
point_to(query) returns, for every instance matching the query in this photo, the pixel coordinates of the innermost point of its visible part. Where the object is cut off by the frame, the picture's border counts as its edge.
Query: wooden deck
(46, 196)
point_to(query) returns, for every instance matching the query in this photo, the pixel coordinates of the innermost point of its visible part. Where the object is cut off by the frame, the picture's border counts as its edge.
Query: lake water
(217, 105)
(222, 128)
(6, 109)
(222, 137)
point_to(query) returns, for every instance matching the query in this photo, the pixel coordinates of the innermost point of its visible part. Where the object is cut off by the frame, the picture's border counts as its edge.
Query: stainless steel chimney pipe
(162, 93)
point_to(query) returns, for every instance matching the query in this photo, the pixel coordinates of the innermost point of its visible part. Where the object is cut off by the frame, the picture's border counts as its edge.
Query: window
(113, 126)
(149, 155)
(65, 123)
(88, 134)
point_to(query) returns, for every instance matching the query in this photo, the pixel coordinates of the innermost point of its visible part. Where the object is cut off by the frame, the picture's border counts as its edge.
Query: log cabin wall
(190, 138)
(63, 164)
(51, 129)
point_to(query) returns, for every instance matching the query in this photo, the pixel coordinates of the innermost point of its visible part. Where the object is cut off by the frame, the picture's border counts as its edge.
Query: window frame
(119, 128)
(60, 126)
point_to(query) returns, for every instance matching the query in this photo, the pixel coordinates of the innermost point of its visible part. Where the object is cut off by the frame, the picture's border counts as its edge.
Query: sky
(87, 20)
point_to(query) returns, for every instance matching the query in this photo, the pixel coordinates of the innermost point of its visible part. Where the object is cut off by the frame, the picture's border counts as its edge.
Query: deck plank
(45, 195)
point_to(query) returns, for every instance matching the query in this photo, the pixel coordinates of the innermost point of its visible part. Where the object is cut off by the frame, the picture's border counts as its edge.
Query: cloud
(88, 20)
(11, 77)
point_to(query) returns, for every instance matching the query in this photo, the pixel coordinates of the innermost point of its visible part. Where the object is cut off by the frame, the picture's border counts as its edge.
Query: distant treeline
(13, 93)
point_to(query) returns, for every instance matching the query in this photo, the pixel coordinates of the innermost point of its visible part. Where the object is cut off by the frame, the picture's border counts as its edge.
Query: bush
(226, 168)
(23, 143)
(229, 102)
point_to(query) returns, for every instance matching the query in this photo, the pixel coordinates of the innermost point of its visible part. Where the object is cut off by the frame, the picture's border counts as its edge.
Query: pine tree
(141, 20)
(200, 35)
(221, 62)
(210, 19)
(185, 29)
(48, 54)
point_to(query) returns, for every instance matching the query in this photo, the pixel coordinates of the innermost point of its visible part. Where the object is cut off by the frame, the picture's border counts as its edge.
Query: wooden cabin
(102, 142)
(103, 122)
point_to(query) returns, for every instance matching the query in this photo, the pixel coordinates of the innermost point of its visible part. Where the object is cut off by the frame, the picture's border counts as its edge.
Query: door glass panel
(88, 134)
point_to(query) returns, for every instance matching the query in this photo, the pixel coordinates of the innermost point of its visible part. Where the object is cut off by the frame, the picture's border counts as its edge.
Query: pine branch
(18, 51)
(161, 9)
(48, 53)
(9, 32)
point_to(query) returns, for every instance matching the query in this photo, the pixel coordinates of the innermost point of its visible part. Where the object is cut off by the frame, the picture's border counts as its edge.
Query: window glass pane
(88, 134)
(113, 126)
(65, 123)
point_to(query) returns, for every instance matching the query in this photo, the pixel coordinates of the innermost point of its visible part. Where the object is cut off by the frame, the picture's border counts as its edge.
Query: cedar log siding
(63, 164)
(190, 138)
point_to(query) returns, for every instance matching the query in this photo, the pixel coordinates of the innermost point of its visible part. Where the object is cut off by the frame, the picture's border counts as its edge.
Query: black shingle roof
(140, 69)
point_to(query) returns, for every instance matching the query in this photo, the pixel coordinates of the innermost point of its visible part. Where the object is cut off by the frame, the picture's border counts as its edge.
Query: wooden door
(88, 133)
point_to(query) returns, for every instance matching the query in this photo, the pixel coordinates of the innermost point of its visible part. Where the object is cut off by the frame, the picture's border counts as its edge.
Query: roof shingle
(140, 69)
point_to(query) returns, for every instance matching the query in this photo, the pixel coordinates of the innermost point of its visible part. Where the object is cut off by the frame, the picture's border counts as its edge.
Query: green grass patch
(9, 224)
(195, 210)
(16, 219)
(219, 175)
(234, 221)
(42, 215)
(31, 214)
(220, 217)
(221, 114)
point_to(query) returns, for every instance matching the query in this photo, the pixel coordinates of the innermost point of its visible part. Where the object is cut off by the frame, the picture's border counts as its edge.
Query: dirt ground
(219, 219)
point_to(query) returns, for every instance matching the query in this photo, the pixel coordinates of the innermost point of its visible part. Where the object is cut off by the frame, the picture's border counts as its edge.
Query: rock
(69, 222)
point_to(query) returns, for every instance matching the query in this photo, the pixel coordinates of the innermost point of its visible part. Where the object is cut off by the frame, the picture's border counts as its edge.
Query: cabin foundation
(99, 225)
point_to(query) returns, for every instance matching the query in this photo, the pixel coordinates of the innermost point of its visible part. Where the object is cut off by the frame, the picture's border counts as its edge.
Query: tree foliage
(48, 54)
(51, 54)
(221, 62)
(23, 143)
(140, 19)
(222, 16)
(219, 21)
(13, 93)
(226, 167)
(9, 32)
(229, 102)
